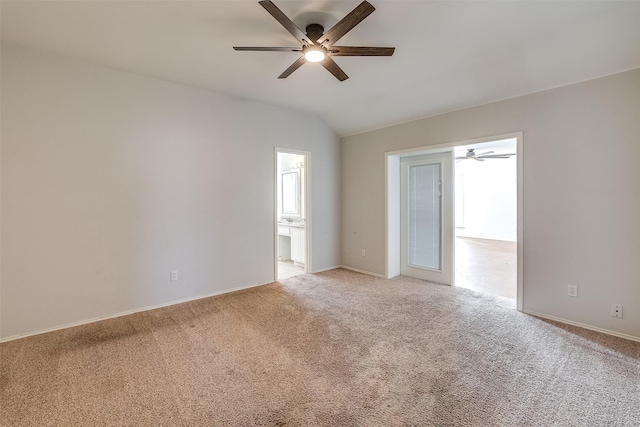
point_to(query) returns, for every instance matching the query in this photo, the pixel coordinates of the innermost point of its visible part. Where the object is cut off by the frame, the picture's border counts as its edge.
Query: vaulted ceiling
(449, 54)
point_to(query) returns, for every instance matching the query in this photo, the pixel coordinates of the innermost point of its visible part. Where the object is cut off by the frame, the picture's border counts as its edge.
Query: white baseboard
(126, 313)
(582, 325)
(326, 269)
(357, 270)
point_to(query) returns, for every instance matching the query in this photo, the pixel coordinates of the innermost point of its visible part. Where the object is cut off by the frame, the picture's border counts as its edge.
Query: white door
(426, 209)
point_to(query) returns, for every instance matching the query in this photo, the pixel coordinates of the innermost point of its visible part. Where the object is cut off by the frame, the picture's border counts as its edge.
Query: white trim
(357, 270)
(448, 146)
(391, 248)
(582, 325)
(386, 216)
(520, 220)
(274, 220)
(126, 313)
(308, 220)
(326, 269)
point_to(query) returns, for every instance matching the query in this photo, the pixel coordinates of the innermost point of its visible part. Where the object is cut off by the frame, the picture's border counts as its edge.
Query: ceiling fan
(318, 45)
(471, 154)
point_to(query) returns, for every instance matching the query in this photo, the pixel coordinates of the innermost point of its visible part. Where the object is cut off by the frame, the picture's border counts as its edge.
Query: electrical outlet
(174, 275)
(616, 310)
(363, 253)
(573, 291)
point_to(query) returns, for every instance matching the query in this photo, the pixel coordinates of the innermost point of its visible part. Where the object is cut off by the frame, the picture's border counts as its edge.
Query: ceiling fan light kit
(314, 53)
(317, 46)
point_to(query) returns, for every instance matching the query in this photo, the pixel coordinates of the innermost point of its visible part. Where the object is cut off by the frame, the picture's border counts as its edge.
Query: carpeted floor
(333, 349)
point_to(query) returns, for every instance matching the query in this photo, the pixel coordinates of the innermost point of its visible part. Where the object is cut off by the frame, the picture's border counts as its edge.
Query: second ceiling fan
(318, 45)
(471, 154)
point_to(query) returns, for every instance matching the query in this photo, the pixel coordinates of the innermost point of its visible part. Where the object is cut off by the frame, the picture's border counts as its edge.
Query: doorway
(291, 213)
(393, 200)
(486, 217)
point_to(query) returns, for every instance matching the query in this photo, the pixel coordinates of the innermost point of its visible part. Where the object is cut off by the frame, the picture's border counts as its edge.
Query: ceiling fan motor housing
(314, 32)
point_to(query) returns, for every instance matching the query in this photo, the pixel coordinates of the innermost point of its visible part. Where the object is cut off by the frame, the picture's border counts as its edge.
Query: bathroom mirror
(291, 193)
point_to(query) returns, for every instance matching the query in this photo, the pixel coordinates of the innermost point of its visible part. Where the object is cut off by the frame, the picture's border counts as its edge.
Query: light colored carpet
(335, 349)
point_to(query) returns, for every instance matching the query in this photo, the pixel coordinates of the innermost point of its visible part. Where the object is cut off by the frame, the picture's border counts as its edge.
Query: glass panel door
(427, 217)
(424, 216)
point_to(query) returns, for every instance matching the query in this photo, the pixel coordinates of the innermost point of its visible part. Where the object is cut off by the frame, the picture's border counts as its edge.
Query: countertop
(292, 224)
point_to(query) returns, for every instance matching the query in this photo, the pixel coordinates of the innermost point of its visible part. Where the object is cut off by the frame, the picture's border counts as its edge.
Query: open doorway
(394, 217)
(291, 213)
(486, 217)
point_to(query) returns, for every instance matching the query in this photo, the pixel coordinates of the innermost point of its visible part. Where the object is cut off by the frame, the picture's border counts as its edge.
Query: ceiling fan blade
(292, 68)
(485, 153)
(495, 156)
(286, 22)
(267, 49)
(334, 69)
(361, 51)
(346, 24)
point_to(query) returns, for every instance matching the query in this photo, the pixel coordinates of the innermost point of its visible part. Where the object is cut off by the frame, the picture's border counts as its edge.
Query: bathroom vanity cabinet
(292, 243)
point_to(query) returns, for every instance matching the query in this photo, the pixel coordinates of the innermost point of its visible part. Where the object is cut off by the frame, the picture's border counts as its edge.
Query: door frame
(392, 204)
(306, 207)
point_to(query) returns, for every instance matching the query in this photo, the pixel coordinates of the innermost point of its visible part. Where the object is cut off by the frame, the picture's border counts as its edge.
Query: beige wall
(581, 193)
(110, 180)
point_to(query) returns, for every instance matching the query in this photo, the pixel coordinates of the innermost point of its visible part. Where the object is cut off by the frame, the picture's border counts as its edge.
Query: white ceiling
(449, 54)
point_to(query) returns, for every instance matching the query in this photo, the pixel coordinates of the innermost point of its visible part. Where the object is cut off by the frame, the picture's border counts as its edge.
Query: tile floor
(287, 269)
(488, 266)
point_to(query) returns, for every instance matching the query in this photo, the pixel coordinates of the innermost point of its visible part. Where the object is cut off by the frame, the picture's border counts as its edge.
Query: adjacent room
(291, 214)
(309, 213)
(486, 217)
